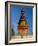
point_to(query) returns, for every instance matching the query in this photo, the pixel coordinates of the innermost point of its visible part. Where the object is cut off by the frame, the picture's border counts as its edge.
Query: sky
(15, 16)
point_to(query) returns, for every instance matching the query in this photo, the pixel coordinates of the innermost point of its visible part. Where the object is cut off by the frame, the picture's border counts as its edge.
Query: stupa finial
(22, 12)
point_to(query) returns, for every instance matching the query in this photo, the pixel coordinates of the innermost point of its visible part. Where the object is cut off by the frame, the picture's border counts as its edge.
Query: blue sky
(15, 16)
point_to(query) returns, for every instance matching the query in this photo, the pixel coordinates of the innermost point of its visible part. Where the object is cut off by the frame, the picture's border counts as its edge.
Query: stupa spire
(22, 12)
(22, 25)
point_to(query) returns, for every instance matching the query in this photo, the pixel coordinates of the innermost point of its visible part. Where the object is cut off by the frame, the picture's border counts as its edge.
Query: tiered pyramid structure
(22, 25)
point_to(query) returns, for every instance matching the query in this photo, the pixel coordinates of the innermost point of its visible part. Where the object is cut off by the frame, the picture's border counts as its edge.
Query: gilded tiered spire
(22, 25)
